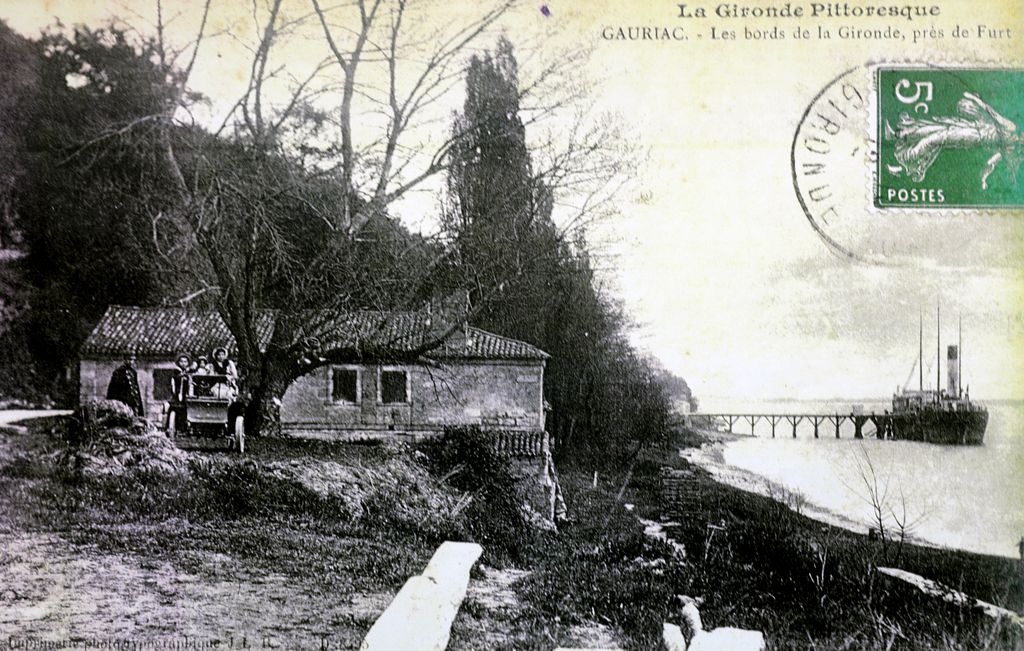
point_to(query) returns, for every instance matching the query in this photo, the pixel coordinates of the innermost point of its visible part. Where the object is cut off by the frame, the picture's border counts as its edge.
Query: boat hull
(965, 427)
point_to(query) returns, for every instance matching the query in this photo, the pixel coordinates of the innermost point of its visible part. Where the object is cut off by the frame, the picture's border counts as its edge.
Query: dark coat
(180, 382)
(124, 387)
(227, 367)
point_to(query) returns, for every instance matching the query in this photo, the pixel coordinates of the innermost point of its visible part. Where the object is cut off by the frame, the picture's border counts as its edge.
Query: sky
(727, 282)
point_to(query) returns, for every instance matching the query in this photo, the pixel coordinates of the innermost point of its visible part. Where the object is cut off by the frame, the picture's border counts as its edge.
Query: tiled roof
(480, 344)
(168, 331)
(159, 331)
(369, 332)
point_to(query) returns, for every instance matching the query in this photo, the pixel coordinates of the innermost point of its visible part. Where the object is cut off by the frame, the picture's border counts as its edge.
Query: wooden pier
(831, 423)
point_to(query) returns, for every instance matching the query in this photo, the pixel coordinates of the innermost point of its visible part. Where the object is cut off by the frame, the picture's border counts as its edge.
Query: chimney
(952, 371)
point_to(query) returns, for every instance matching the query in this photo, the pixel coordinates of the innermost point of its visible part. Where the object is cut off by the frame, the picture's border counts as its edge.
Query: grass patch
(601, 567)
(493, 513)
(233, 506)
(754, 562)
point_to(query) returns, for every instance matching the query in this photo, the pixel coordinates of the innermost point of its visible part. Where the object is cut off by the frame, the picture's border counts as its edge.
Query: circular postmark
(873, 180)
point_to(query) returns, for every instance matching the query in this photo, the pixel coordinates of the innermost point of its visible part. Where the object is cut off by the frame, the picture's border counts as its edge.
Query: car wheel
(240, 434)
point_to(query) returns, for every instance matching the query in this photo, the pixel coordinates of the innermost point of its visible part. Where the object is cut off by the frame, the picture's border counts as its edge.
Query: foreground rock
(725, 638)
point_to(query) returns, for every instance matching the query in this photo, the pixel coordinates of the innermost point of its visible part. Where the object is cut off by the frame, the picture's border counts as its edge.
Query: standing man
(179, 381)
(124, 386)
(179, 391)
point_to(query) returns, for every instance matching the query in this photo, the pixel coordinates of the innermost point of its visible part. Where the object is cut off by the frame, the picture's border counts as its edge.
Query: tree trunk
(263, 413)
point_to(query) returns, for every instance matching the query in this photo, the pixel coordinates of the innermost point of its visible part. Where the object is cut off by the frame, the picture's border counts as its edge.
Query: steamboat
(945, 416)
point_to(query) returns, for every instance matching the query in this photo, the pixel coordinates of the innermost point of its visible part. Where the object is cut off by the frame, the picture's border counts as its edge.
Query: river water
(967, 497)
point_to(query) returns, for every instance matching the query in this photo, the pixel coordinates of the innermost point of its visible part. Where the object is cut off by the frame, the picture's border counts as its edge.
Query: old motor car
(209, 415)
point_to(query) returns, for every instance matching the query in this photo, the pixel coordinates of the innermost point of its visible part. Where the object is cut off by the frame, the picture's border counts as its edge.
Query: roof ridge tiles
(136, 329)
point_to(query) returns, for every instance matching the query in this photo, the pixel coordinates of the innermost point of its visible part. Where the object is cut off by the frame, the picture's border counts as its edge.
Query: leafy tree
(83, 201)
(17, 88)
(604, 396)
(500, 215)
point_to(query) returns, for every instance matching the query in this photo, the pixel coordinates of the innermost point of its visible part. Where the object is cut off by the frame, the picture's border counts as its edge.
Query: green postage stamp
(949, 138)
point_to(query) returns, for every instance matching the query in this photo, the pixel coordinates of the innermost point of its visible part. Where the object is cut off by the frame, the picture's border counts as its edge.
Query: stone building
(473, 378)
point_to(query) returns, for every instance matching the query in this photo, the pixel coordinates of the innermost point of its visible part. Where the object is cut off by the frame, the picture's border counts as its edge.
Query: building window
(162, 388)
(394, 386)
(344, 385)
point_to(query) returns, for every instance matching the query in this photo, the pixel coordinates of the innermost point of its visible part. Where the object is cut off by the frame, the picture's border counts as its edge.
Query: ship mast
(938, 355)
(920, 351)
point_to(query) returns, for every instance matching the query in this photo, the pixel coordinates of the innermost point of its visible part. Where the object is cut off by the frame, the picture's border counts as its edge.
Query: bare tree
(382, 34)
(283, 209)
(262, 229)
(892, 522)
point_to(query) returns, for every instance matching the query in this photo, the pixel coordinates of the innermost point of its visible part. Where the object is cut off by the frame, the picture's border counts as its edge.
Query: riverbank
(709, 456)
(956, 497)
(810, 583)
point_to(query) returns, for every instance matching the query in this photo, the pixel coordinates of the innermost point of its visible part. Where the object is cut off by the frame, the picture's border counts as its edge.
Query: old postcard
(502, 324)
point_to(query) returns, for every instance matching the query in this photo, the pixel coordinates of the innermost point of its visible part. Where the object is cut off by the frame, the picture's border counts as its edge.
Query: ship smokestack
(953, 371)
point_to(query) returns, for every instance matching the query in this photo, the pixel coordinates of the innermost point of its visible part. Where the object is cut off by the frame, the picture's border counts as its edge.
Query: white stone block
(728, 639)
(672, 638)
(420, 616)
(720, 639)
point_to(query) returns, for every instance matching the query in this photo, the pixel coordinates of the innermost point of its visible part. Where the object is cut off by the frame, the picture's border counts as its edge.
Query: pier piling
(817, 420)
(794, 421)
(858, 426)
(752, 419)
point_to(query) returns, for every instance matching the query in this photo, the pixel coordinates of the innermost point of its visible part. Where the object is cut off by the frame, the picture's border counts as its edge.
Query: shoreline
(710, 457)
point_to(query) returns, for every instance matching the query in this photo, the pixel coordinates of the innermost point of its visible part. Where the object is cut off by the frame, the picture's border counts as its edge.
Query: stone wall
(680, 495)
(491, 394)
(506, 395)
(534, 470)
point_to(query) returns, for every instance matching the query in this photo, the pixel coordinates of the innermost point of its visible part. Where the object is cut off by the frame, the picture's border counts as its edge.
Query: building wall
(498, 394)
(94, 377)
(508, 395)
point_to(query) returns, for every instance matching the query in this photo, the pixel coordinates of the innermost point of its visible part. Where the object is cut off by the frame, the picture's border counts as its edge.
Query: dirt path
(55, 591)
(14, 437)
(9, 416)
(52, 591)
(486, 618)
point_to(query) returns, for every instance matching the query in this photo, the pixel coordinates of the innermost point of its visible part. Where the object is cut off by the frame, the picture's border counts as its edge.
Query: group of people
(189, 380)
(198, 379)
(216, 364)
